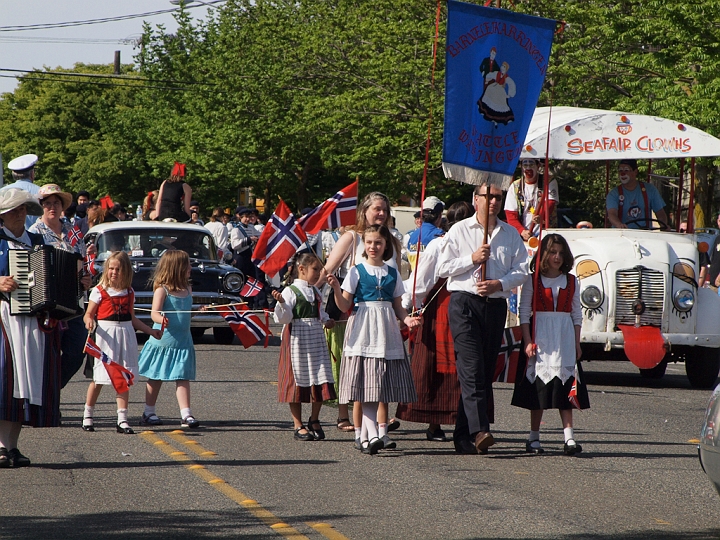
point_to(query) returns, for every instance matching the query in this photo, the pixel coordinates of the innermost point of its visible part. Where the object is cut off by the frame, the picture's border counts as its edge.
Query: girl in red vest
(112, 302)
(552, 370)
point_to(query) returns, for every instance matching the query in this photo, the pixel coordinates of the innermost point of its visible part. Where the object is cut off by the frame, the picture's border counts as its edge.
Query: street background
(243, 475)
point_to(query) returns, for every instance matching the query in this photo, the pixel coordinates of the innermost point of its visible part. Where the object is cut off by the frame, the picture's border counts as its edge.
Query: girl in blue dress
(172, 357)
(374, 367)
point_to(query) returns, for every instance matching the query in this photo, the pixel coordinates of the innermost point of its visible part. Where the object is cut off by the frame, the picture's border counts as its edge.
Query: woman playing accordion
(29, 353)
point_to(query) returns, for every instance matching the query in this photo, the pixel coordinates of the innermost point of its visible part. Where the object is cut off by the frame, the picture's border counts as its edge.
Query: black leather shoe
(572, 449)
(393, 425)
(438, 435)
(304, 436)
(125, 429)
(374, 445)
(530, 449)
(464, 446)
(316, 429)
(17, 459)
(88, 427)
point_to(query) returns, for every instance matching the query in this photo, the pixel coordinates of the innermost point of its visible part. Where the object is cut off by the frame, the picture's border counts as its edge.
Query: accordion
(48, 281)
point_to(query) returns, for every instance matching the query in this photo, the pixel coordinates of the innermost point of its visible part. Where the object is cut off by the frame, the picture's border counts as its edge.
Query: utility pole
(117, 63)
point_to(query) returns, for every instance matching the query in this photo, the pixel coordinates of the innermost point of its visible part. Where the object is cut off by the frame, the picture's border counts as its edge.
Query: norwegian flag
(252, 287)
(121, 378)
(247, 326)
(279, 241)
(89, 265)
(75, 235)
(337, 211)
(507, 361)
(572, 396)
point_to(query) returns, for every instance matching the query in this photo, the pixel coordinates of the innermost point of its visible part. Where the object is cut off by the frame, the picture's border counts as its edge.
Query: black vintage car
(213, 282)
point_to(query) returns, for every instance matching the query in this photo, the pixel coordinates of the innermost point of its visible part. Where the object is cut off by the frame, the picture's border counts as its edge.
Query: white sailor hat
(23, 163)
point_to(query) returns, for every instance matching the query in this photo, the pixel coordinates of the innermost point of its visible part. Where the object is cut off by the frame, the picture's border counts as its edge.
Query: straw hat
(54, 189)
(11, 198)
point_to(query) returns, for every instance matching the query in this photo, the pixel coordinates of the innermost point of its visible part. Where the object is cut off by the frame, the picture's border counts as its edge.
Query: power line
(43, 26)
(83, 41)
(99, 76)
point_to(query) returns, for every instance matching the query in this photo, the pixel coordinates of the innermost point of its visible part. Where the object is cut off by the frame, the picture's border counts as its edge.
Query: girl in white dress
(552, 367)
(112, 303)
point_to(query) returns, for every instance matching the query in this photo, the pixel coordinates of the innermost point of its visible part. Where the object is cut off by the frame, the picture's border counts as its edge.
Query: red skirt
(433, 366)
(288, 391)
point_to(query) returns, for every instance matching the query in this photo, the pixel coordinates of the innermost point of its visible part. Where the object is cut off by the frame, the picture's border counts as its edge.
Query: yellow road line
(662, 522)
(223, 487)
(178, 435)
(327, 531)
(694, 441)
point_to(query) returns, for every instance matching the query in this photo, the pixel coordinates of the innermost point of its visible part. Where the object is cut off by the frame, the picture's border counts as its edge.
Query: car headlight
(684, 299)
(591, 297)
(233, 282)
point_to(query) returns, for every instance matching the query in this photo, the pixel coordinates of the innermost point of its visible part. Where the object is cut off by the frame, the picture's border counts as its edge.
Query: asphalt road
(243, 475)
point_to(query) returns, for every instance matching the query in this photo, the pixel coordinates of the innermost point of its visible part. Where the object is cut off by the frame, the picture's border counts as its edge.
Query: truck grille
(639, 282)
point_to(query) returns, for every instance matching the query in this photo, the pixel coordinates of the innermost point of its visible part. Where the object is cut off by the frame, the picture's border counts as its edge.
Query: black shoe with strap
(316, 429)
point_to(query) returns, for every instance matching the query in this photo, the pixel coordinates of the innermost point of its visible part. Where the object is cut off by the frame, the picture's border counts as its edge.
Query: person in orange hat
(175, 196)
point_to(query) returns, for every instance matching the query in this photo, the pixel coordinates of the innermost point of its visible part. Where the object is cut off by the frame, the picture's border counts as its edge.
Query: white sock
(568, 431)
(88, 411)
(369, 419)
(184, 413)
(149, 410)
(534, 436)
(122, 415)
(358, 431)
(382, 430)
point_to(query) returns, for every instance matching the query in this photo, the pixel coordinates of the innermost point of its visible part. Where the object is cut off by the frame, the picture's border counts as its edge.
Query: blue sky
(93, 43)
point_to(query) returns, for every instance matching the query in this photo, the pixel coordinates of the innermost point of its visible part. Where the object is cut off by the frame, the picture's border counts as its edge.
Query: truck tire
(223, 335)
(701, 366)
(658, 372)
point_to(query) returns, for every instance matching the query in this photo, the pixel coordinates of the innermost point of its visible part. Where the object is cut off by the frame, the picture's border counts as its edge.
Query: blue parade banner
(496, 62)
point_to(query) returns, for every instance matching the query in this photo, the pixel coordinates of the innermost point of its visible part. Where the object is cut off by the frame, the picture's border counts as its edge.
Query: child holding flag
(305, 372)
(172, 356)
(111, 302)
(553, 378)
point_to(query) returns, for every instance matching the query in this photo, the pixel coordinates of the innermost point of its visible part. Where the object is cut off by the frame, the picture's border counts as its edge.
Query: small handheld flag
(248, 327)
(120, 377)
(252, 287)
(279, 241)
(337, 211)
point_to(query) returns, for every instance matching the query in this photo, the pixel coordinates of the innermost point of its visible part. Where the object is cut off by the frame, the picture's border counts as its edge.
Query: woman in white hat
(56, 232)
(30, 375)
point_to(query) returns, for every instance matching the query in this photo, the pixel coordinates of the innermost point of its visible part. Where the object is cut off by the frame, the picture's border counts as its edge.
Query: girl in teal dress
(172, 357)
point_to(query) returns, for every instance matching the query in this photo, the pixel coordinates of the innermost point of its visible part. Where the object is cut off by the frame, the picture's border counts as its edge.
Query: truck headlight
(684, 300)
(233, 282)
(591, 297)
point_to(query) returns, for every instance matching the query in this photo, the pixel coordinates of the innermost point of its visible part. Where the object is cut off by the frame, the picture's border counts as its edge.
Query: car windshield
(152, 243)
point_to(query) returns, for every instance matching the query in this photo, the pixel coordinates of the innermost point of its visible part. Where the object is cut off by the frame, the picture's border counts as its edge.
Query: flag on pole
(248, 327)
(89, 265)
(279, 241)
(506, 366)
(496, 63)
(120, 377)
(75, 235)
(572, 396)
(340, 210)
(252, 287)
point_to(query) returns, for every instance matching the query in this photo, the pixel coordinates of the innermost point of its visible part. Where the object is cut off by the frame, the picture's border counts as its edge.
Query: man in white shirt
(23, 172)
(478, 308)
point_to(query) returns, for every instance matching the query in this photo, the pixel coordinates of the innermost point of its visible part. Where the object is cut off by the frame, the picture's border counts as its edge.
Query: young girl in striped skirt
(374, 367)
(305, 371)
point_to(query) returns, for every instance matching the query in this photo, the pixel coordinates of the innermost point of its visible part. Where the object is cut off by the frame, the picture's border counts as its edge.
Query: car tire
(658, 372)
(702, 365)
(223, 336)
(197, 334)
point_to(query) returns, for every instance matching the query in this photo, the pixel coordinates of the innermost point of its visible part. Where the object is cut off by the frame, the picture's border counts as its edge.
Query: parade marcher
(552, 366)
(304, 372)
(57, 233)
(374, 209)
(195, 213)
(174, 196)
(630, 205)
(218, 229)
(429, 229)
(243, 238)
(477, 309)
(112, 303)
(172, 357)
(23, 173)
(433, 356)
(374, 368)
(524, 208)
(29, 355)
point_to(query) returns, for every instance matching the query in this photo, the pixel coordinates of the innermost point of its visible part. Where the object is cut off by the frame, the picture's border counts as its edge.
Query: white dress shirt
(507, 262)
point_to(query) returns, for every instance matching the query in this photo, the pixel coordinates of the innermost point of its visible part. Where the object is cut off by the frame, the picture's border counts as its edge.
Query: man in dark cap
(630, 205)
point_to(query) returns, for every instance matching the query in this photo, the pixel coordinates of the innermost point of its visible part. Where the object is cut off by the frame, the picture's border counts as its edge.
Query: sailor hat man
(23, 164)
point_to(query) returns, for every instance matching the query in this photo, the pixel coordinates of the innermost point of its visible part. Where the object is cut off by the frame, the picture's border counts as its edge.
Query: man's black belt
(490, 300)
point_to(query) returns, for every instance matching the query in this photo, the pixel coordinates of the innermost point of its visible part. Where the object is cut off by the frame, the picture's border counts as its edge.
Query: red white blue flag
(248, 327)
(252, 287)
(280, 239)
(120, 377)
(572, 396)
(506, 366)
(75, 235)
(338, 211)
(89, 265)
(496, 62)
